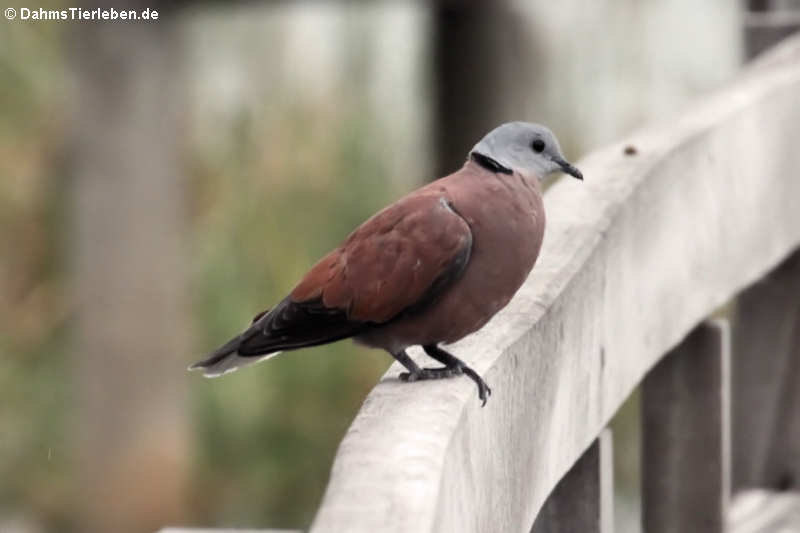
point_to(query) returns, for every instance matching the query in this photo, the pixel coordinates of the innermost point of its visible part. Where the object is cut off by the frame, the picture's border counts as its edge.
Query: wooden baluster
(686, 435)
(765, 26)
(583, 500)
(766, 381)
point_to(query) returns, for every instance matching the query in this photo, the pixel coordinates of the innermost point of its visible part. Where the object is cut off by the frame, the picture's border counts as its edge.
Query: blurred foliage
(265, 208)
(34, 309)
(276, 177)
(269, 190)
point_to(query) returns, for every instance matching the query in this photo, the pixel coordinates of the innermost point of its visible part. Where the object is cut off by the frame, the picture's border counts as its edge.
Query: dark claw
(445, 372)
(483, 389)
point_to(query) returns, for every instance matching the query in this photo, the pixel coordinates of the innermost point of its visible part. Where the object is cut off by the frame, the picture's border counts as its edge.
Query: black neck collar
(490, 164)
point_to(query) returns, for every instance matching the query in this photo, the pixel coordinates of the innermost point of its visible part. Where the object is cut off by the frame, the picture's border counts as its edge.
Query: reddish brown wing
(400, 257)
(397, 261)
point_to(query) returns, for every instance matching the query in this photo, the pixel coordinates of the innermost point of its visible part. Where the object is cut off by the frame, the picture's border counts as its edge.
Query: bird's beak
(568, 169)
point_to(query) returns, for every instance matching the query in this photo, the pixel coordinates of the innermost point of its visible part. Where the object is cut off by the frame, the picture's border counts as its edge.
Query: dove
(427, 270)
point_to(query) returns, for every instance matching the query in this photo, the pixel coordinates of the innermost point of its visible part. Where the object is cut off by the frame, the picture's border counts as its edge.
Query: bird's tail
(227, 359)
(288, 326)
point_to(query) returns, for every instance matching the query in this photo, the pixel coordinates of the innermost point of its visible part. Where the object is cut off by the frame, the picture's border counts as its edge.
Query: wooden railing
(670, 224)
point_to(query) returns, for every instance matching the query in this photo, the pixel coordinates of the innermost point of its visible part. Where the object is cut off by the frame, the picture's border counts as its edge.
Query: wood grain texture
(686, 435)
(634, 258)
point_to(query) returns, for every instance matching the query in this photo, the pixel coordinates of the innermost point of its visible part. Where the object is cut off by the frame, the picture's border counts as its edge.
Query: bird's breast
(507, 223)
(506, 219)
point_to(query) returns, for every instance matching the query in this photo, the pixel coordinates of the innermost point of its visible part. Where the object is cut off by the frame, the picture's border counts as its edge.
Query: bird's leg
(415, 373)
(452, 362)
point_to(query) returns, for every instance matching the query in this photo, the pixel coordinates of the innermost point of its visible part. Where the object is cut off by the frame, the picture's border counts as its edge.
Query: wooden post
(686, 435)
(766, 381)
(127, 243)
(764, 27)
(584, 499)
(483, 60)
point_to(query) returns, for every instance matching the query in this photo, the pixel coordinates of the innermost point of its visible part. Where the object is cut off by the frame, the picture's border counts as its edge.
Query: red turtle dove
(427, 270)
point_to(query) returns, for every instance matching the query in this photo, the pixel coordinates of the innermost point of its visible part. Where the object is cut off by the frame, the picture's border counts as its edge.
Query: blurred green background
(288, 124)
(275, 176)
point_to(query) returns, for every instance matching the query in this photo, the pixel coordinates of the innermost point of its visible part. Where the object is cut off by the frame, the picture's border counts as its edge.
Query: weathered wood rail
(634, 261)
(670, 224)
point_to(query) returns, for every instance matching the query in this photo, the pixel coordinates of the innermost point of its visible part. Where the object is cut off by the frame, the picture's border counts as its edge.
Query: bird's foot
(431, 373)
(451, 361)
(445, 372)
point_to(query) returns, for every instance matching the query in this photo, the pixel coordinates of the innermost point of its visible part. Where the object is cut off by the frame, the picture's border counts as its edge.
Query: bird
(427, 270)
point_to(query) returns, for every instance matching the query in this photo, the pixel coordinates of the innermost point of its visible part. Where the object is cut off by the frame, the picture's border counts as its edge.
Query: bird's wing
(396, 262)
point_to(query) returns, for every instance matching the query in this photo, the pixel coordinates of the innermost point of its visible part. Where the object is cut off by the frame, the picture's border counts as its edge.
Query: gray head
(523, 146)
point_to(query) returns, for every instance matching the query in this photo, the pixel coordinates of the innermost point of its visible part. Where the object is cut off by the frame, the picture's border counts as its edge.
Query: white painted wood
(764, 511)
(606, 444)
(633, 259)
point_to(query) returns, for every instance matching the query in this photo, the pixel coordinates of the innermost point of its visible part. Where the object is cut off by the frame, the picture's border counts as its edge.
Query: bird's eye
(538, 146)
